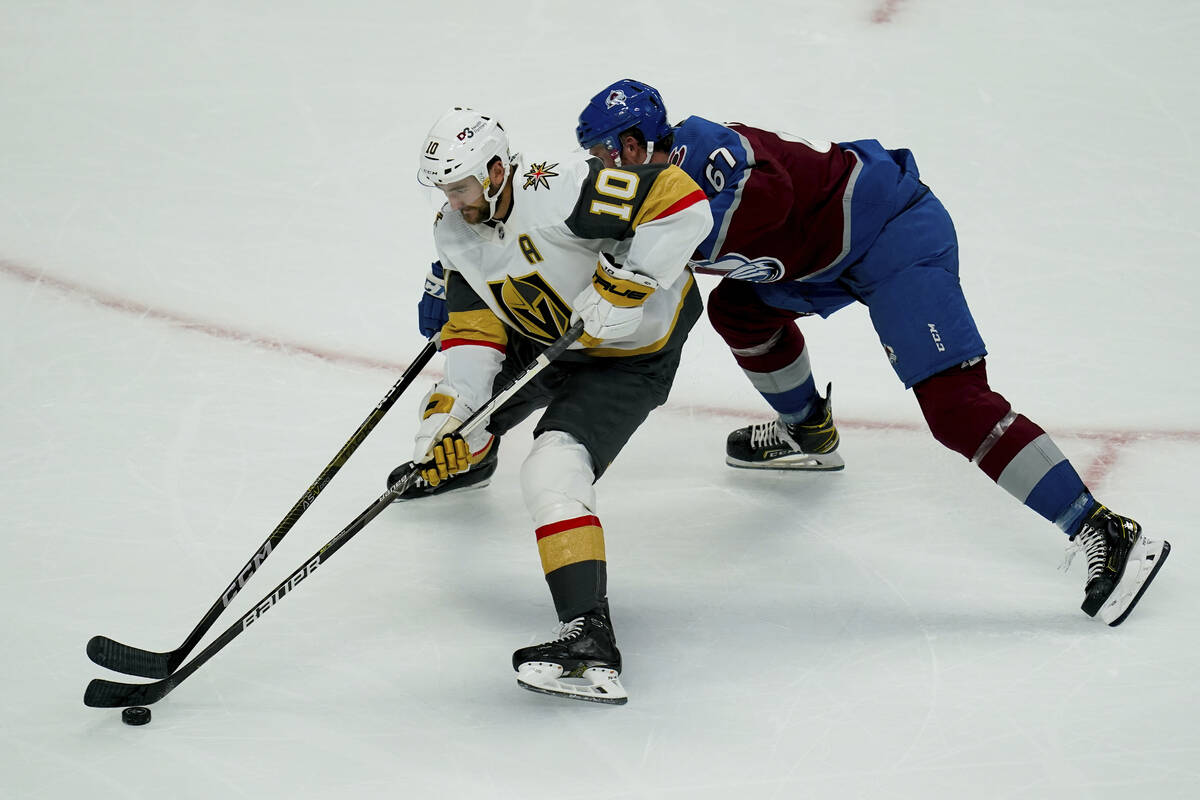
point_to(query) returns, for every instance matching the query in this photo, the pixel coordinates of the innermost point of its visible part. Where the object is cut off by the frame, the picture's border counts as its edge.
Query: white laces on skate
(1093, 542)
(570, 630)
(766, 434)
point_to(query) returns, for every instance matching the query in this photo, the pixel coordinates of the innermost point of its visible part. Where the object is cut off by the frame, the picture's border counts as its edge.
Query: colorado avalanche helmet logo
(615, 98)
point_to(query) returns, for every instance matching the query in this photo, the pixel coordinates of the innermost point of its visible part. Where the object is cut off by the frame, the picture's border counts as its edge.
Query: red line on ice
(1112, 441)
(134, 308)
(885, 11)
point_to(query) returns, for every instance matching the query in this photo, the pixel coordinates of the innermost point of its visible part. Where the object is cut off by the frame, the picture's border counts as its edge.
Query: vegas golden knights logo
(536, 308)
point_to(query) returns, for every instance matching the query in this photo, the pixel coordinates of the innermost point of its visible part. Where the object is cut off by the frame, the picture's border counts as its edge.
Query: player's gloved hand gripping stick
(102, 693)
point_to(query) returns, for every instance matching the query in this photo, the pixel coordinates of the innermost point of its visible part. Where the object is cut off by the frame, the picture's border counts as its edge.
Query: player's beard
(477, 213)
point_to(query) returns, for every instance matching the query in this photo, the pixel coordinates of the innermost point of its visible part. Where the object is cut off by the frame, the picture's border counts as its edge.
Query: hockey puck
(137, 715)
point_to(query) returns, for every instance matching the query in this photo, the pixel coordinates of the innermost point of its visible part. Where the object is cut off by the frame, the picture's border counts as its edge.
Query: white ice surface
(211, 245)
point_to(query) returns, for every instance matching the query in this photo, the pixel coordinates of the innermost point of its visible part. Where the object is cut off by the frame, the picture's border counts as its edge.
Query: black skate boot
(1121, 563)
(478, 476)
(582, 663)
(811, 444)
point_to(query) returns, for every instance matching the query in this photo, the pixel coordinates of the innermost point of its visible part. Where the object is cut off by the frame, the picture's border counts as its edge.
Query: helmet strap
(493, 199)
(616, 154)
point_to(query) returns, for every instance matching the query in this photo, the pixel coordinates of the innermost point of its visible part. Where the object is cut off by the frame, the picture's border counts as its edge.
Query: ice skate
(477, 477)
(809, 445)
(1122, 562)
(583, 663)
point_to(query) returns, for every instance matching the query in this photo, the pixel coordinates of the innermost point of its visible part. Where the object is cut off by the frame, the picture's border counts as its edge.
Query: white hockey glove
(611, 307)
(439, 450)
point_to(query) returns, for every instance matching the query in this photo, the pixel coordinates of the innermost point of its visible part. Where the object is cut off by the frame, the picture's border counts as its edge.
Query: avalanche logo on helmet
(615, 98)
(539, 175)
(533, 306)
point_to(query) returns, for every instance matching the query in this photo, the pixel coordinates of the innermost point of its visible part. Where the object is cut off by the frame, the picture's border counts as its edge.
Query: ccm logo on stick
(240, 582)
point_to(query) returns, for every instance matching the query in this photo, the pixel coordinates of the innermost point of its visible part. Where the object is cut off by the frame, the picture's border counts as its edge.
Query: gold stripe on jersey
(653, 347)
(672, 188)
(480, 326)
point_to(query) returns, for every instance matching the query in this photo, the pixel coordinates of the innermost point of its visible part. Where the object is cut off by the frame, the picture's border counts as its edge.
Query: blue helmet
(618, 107)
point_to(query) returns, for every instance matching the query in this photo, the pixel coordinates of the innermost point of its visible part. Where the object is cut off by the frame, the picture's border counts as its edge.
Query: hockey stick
(149, 664)
(102, 693)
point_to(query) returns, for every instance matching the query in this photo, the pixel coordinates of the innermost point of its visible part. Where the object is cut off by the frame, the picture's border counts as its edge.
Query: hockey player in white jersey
(528, 246)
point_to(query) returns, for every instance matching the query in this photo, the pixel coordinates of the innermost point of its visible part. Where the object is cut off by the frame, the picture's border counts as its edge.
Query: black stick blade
(113, 655)
(110, 694)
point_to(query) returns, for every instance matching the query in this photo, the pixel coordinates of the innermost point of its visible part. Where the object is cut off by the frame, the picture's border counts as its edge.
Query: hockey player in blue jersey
(806, 227)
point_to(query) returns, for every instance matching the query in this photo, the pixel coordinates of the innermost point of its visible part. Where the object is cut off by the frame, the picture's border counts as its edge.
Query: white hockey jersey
(522, 274)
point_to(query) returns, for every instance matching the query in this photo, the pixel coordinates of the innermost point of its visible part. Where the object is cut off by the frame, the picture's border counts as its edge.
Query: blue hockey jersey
(788, 209)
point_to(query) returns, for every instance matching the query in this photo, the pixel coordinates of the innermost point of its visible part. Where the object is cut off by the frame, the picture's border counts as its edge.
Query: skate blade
(1145, 559)
(826, 462)
(596, 685)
